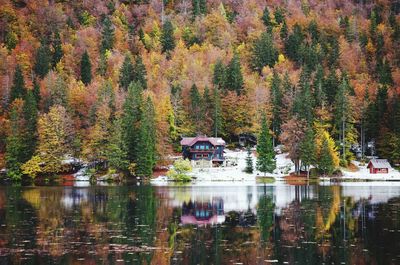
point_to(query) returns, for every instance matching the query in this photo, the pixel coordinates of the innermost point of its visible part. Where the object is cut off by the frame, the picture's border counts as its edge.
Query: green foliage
(18, 89)
(326, 164)
(266, 162)
(234, 79)
(116, 154)
(199, 7)
(30, 112)
(264, 52)
(293, 43)
(107, 36)
(86, 69)
(276, 98)
(266, 19)
(196, 108)
(180, 170)
(139, 72)
(146, 159)
(249, 162)
(219, 75)
(132, 113)
(15, 143)
(217, 112)
(167, 37)
(308, 150)
(57, 49)
(42, 60)
(125, 74)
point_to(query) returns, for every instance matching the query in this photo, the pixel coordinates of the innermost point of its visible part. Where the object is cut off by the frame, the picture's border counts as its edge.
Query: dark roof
(189, 141)
(379, 163)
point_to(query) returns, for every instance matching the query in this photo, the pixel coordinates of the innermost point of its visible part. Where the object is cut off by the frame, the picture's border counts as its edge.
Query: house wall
(373, 170)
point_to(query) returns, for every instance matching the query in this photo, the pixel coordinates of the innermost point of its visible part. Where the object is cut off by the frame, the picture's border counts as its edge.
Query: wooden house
(203, 148)
(378, 166)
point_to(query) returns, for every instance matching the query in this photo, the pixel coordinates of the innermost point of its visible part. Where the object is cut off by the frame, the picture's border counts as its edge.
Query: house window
(202, 147)
(197, 147)
(207, 147)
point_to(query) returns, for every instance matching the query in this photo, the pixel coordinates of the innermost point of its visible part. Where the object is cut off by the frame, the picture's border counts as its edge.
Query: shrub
(180, 170)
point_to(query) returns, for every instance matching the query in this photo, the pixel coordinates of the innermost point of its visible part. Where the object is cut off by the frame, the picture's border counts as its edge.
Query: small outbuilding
(378, 166)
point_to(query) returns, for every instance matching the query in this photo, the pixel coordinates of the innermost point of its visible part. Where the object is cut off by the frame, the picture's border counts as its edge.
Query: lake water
(283, 224)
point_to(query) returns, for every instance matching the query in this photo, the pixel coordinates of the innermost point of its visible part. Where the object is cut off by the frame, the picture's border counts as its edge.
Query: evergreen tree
(86, 69)
(107, 36)
(219, 75)
(331, 85)
(279, 15)
(276, 98)
(15, 147)
(36, 91)
(284, 30)
(57, 49)
(42, 60)
(249, 162)
(266, 156)
(266, 19)
(147, 141)
(167, 37)
(196, 107)
(395, 116)
(293, 43)
(126, 72)
(139, 72)
(217, 113)
(116, 154)
(234, 79)
(326, 163)
(132, 113)
(303, 103)
(319, 93)
(18, 88)
(307, 150)
(30, 111)
(199, 7)
(264, 52)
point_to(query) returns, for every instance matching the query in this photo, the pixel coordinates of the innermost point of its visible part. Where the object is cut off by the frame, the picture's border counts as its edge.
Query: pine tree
(36, 91)
(15, 147)
(30, 111)
(86, 69)
(284, 30)
(196, 10)
(107, 35)
(234, 80)
(116, 153)
(42, 60)
(279, 15)
(307, 150)
(264, 52)
(18, 89)
(293, 43)
(139, 72)
(266, 156)
(167, 37)
(276, 98)
(132, 112)
(57, 49)
(219, 75)
(318, 83)
(126, 73)
(331, 85)
(196, 108)
(147, 141)
(303, 103)
(266, 19)
(326, 163)
(249, 162)
(217, 113)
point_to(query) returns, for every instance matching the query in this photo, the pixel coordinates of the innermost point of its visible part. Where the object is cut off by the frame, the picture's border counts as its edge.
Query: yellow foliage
(32, 167)
(281, 58)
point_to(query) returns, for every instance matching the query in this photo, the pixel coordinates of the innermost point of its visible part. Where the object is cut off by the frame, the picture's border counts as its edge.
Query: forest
(117, 83)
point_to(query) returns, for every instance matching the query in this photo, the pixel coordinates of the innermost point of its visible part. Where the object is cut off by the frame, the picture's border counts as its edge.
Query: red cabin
(378, 166)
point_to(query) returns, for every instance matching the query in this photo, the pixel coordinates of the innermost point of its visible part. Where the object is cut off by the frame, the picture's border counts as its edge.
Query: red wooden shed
(378, 166)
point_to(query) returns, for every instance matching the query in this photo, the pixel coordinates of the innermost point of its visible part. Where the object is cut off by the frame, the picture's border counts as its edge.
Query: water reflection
(200, 225)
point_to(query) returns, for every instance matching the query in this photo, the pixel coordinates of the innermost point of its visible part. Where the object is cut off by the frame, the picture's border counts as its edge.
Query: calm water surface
(282, 224)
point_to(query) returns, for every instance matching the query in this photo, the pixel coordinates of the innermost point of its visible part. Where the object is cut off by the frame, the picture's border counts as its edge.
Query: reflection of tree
(265, 215)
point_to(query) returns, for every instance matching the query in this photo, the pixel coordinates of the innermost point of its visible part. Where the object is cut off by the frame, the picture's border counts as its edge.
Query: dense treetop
(230, 61)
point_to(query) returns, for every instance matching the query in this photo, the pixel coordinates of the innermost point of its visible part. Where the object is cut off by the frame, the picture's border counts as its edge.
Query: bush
(180, 170)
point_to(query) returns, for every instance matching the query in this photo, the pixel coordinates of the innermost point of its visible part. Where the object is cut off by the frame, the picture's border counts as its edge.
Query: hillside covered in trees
(119, 82)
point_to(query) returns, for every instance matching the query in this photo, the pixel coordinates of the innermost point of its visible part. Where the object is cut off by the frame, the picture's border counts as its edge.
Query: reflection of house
(203, 148)
(378, 166)
(203, 213)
